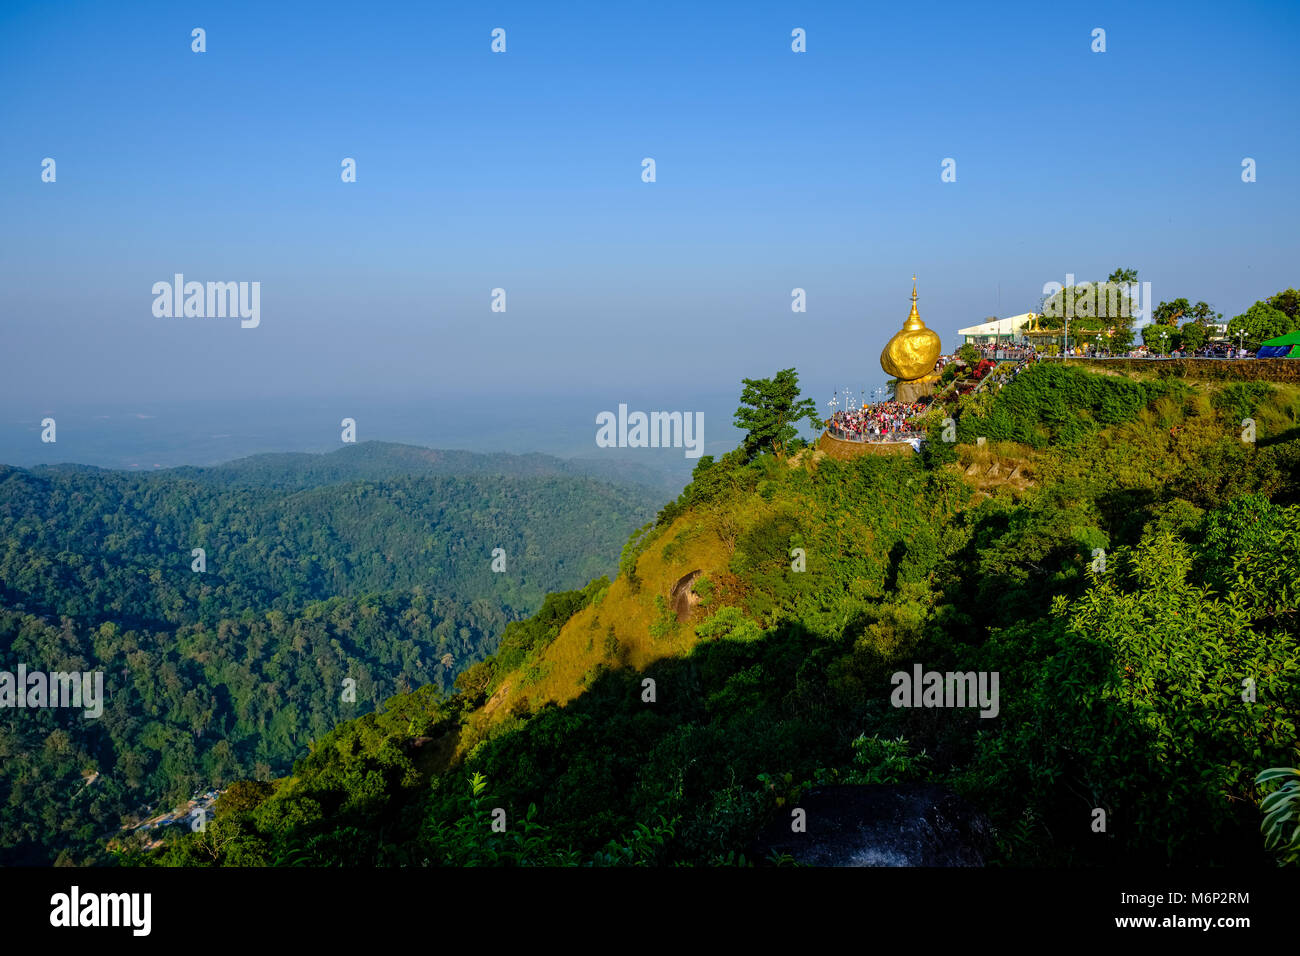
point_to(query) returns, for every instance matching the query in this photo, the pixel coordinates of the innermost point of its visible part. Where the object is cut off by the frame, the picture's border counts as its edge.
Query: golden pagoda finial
(913, 314)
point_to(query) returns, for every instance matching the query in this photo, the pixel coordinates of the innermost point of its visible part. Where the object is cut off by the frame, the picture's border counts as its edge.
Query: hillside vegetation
(313, 576)
(1138, 598)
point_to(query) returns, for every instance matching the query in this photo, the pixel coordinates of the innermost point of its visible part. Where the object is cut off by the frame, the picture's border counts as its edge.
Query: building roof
(1008, 326)
(1291, 338)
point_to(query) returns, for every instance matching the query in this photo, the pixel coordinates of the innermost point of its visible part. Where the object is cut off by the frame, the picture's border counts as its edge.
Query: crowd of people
(894, 421)
(1217, 350)
(880, 422)
(1096, 349)
(1003, 352)
(1004, 377)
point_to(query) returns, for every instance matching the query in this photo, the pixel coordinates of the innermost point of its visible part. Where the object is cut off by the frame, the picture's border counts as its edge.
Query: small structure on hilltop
(998, 331)
(1044, 338)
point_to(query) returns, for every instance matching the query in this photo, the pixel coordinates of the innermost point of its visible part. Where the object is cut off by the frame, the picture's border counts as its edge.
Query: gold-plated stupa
(912, 352)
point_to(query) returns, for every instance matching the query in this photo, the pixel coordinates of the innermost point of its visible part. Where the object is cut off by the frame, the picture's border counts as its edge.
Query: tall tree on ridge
(770, 408)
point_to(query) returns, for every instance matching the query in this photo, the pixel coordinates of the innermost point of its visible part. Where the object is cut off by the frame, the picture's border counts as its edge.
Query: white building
(998, 330)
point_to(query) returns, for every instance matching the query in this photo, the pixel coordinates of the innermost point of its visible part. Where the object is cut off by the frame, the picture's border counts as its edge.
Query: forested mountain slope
(374, 460)
(1144, 564)
(228, 672)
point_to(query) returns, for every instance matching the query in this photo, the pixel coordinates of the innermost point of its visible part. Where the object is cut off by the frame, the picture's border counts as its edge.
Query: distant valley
(389, 566)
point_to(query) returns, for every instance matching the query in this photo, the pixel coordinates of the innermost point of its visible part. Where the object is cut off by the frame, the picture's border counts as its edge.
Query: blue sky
(522, 171)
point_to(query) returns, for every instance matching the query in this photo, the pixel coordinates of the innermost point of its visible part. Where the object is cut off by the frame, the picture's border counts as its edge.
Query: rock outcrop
(878, 825)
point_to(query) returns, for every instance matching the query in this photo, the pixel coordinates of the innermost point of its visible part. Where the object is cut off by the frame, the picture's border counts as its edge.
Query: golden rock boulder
(912, 352)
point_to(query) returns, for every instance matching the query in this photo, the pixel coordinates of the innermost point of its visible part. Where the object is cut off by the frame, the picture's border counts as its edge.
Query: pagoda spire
(913, 314)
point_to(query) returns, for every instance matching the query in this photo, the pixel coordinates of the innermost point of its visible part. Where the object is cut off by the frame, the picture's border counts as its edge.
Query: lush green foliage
(1198, 315)
(1158, 338)
(1240, 399)
(770, 409)
(1287, 301)
(1149, 683)
(1154, 687)
(1261, 322)
(1090, 309)
(1191, 337)
(1281, 809)
(1122, 688)
(213, 676)
(200, 706)
(112, 546)
(1054, 404)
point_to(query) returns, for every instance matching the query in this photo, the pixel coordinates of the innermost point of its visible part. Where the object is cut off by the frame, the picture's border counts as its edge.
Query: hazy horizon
(475, 170)
(148, 436)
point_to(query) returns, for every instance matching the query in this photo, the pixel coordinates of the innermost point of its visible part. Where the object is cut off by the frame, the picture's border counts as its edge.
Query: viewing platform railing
(891, 438)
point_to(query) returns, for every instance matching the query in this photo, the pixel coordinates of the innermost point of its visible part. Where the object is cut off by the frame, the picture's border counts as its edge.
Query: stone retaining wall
(1238, 370)
(841, 449)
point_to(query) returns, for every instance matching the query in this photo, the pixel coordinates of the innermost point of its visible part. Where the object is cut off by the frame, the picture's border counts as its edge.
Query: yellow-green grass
(1150, 450)
(692, 542)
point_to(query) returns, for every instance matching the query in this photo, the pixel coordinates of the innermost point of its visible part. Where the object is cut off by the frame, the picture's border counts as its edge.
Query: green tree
(1092, 309)
(243, 796)
(968, 354)
(1203, 315)
(1157, 338)
(1288, 302)
(1122, 276)
(1122, 340)
(1259, 323)
(1168, 313)
(1192, 336)
(769, 411)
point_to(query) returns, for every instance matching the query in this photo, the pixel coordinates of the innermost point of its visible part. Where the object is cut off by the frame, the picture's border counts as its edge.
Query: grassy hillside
(870, 528)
